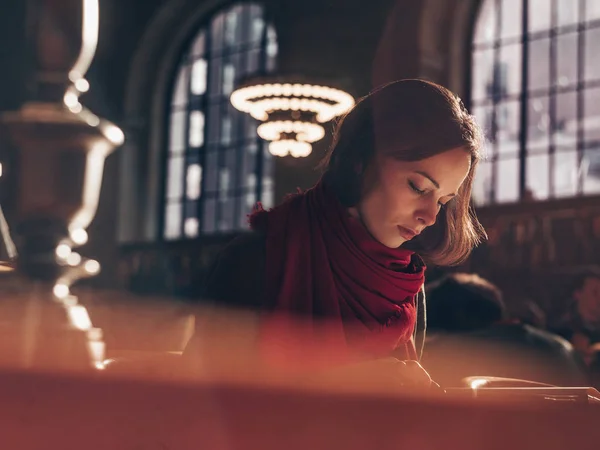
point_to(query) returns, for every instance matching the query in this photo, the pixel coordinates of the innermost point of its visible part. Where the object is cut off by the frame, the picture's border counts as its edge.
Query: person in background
(471, 334)
(581, 323)
(351, 251)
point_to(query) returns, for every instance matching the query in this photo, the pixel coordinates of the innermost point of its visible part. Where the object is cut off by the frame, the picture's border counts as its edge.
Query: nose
(427, 214)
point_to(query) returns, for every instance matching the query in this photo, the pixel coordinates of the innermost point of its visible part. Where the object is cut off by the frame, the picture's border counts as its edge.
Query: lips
(407, 233)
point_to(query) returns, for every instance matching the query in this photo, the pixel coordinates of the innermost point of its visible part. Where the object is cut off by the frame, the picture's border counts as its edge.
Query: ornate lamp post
(62, 147)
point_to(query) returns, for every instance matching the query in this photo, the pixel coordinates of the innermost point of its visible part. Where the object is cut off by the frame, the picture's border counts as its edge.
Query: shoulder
(247, 246)
(236, 277)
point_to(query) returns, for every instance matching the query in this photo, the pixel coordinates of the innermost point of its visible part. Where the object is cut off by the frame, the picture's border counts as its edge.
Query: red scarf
(323, 264)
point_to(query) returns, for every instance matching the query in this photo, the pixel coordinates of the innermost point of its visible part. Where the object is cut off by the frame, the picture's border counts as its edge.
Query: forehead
(449, 168)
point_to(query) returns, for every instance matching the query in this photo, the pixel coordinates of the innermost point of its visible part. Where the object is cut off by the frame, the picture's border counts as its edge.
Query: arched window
(216, 166)
(536, 90)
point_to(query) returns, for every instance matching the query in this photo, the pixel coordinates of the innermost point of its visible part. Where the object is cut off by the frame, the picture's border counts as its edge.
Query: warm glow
(92, 119)
(291, 136)
(92, 182)
(295, 148)
(76, 109)
(92, 267)
(114, 134)
(74, 259)
(89, 39)
(82, 85)
(63, 251)
(305, 131)
(260, 100)
(478, 382)
(60, 290)
(79, 317)
(79, 236)
(70, 99)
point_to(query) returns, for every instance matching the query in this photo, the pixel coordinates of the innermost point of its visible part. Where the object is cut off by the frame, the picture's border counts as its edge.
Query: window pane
(212, 171)
(566, 171)
(224, 182)
(226, 130)
(485, 30)
(227, 214)
(507, 180)
(566, 64)
(268, 193)
(198, 49)
(483, 74)
(231, 163)
(538, 123)
(233, 26)
(175, 177)
(250, 124)
(173, 221)
(252, 62)
(209, 215)
(565, 124)
(180, 92)
(591, 170)
(538, 176)
(216, 32)
(214, 122)
(196, 129)
(177, 132)
(272, 50)
(512, 18)
(268, 160)
(257, 24)
(592, 54)
(508, 126)
(539, 64)
(592, 10)
(246, 206)
(190, 227)
(198, 85)
(193, 181)
(539, 15)
(191, 209)
(591, 121)
(228, 78)
(216, 72)
(484, 116)
(248, 167)
(509, 70)
(482, 185)
(568, 12)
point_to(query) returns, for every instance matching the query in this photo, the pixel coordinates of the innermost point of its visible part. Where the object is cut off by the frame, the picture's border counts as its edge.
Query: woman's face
(403, 198)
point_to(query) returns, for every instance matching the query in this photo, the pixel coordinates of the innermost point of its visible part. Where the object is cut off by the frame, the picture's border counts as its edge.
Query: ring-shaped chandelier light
(292, 113)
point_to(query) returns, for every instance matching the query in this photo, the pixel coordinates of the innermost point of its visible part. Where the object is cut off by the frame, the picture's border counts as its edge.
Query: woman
(350, 251)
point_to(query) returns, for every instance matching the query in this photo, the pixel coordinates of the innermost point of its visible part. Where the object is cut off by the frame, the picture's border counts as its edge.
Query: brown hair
(410, 120)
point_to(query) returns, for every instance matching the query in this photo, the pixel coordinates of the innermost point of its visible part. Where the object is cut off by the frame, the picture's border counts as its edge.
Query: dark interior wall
(355, 45)
(328, 39)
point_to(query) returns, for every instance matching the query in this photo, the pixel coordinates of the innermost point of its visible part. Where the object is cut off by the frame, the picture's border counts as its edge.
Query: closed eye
(414, 187)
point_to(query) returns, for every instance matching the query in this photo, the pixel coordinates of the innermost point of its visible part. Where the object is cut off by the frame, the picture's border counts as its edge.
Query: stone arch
(146, 101)
(445, 42)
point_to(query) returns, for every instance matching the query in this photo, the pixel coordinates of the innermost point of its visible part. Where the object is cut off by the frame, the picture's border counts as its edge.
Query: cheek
(395, 197)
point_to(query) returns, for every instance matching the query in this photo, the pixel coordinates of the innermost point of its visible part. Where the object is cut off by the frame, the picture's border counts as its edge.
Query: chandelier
(292, 114)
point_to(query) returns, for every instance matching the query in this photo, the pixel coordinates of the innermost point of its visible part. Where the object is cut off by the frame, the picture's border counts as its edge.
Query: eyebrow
(430, 178)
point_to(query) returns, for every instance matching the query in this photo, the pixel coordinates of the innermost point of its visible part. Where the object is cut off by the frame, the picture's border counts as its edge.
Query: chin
(392, 242)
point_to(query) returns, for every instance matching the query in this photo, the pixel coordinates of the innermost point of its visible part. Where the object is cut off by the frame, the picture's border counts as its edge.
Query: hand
(391, 373)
